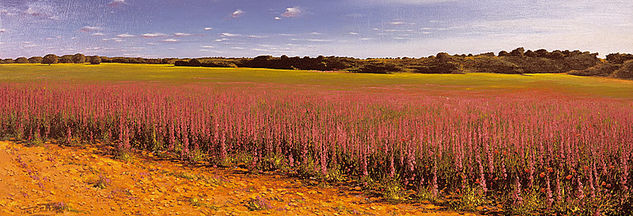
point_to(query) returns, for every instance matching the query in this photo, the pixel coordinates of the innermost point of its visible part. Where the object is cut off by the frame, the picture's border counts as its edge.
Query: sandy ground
(59, 180)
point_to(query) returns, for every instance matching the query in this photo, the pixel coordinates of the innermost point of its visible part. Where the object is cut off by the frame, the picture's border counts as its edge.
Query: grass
(483, 82)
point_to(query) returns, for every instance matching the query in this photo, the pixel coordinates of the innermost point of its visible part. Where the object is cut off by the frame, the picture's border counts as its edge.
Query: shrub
(518, 52)
(81, 58)
(35, 59)
(95, 60)
(21, 60)
(625, 71)
(50, 59)
(604, 69)
(378, 67)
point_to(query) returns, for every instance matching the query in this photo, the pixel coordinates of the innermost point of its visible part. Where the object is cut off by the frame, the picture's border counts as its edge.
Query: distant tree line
(82, 59)
(517, 61)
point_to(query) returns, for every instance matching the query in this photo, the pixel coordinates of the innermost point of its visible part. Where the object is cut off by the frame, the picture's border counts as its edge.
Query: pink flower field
(544, 153)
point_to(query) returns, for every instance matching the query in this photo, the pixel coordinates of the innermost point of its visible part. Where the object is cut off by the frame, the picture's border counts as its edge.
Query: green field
(562, 83)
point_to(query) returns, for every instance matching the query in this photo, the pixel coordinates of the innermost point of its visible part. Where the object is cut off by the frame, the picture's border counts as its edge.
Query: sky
(356, 28)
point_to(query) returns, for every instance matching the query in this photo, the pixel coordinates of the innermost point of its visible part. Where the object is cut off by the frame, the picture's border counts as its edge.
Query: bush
(21, 60)
(378, 67)
(95, 60)
(50, 59)
(617, 58)
(518, 52)
(35, 59)
(80, 58)
(604, 69)
(625, 71)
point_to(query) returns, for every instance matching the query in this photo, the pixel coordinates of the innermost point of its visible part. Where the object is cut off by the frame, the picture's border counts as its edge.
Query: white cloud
(207, 47)
(90, 28)
(180, 34)
(229, 35)
(208, 28)
(277, 18)
(292, 12)
(126, 35)
(170, 40)
(2, 30)
(406, 2)
(42, 10)
(257, 36)
(221, 40)
(311, 40)
(113, 39)
(353, 33)
(237, 13)
(154, 35)
(97, 34)
(115, 3)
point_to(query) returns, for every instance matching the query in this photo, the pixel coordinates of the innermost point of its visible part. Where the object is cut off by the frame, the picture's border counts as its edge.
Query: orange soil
(36, 180)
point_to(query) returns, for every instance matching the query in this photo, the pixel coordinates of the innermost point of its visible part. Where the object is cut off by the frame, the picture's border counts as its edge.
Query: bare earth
(58, 180)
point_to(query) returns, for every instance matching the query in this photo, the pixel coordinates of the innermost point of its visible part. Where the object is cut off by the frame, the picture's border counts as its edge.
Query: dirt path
(50, 179)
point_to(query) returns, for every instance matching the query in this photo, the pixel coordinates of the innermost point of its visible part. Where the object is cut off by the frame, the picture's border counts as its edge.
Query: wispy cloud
(170, 40)
(126, 35)
(292, 12)
(180, 34)
(113, 39)
(207, 47)
(154, 35)
(404, 2)
(208, 28)
(237, 13)
(97, 34)
(41, 10)
(115, 3)
(225, 34)
(2, 30)
(90, 28)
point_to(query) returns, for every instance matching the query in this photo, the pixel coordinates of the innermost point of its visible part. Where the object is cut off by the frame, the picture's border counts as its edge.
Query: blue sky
(358, 28)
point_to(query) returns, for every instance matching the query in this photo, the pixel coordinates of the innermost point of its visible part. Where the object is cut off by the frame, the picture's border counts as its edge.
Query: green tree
(35, 59)
(50, 59)
(95, 60)
(79, 58)
(21, 60)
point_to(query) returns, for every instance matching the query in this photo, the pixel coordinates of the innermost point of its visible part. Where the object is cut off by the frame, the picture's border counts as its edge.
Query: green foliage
(50, 59)
(95, 60)
(393, 191)
(469, 199)
(625, 71)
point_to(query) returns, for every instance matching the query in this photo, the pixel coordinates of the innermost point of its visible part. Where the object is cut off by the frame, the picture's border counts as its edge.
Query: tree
(195, 63)
(95, 60)
(50, 59)
(503, 53)
(518, 52)
(530, 53)
(66, 59)
(443, 56)
(79, 58)
(35, 59)
(21, 60)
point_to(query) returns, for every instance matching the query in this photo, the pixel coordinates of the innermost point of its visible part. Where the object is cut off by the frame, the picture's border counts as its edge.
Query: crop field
(523, 144)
